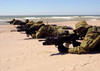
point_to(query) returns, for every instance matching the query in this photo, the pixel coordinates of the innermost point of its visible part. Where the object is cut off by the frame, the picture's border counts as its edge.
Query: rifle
(60, 39)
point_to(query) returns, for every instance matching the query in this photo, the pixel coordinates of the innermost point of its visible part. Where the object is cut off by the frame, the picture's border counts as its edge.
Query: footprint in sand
(0, 60)
(8, 60)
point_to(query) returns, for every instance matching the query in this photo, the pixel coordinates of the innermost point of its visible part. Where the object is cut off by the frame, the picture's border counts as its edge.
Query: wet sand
(21, 53)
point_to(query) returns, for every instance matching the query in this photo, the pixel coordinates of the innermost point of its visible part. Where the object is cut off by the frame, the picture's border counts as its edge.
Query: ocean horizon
(49, 18)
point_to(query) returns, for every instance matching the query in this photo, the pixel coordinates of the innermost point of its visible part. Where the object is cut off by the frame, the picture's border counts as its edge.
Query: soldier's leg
(77, 50)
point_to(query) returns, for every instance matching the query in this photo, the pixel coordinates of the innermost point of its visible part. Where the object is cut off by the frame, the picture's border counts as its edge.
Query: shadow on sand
(58, 54)
(28, 38)
(94, 52)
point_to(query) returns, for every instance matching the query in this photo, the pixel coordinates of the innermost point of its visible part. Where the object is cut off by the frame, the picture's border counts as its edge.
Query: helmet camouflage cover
(26, 21)
(39, 21)
(81, 24)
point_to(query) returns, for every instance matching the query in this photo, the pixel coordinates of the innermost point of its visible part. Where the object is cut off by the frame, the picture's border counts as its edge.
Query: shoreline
(51, 18)
(62, 22)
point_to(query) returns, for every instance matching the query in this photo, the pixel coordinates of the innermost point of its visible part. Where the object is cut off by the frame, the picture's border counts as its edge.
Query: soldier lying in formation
(27, 25)
(23, 26)
(17, 22)
(90, 42)
(41, 30)
(91, 39)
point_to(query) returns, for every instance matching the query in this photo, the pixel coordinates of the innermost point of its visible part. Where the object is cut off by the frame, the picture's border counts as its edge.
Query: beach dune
(21, 53)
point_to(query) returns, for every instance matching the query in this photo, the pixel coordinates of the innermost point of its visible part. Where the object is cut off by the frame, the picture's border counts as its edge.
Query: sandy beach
(21, 53)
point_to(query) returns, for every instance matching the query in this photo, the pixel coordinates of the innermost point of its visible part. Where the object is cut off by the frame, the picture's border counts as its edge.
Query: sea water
(50, 18)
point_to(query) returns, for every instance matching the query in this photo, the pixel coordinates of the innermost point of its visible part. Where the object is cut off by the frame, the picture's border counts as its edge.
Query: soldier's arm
(32, 26)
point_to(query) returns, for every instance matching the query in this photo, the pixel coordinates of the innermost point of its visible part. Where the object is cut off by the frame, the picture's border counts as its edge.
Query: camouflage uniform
(33, 27)
(90, 41)
(17, 22)
(29, 24)
(49, 30)
(34, 24)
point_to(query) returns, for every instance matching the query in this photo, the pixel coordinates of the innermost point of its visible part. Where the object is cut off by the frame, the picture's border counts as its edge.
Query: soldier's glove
(33, 36)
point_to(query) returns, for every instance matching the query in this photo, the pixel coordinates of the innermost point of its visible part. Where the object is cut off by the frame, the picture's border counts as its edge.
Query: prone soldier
(15, 22)
(91, 39)
(33, 27)
(50, 30)
(40, 30)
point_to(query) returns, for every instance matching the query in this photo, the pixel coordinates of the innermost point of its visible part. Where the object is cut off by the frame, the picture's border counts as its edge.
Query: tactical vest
(96, 29)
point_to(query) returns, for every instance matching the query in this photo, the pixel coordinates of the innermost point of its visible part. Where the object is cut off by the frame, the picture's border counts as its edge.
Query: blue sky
(49, 7)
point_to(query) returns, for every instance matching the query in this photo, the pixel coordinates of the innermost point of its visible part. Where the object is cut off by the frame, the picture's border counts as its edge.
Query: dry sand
(20, 53)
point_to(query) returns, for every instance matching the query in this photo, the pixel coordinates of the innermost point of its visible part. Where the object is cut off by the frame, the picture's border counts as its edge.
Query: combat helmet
(38, 22)
(30, 22)
(82, 24)
(26, 21)
(13, 20)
